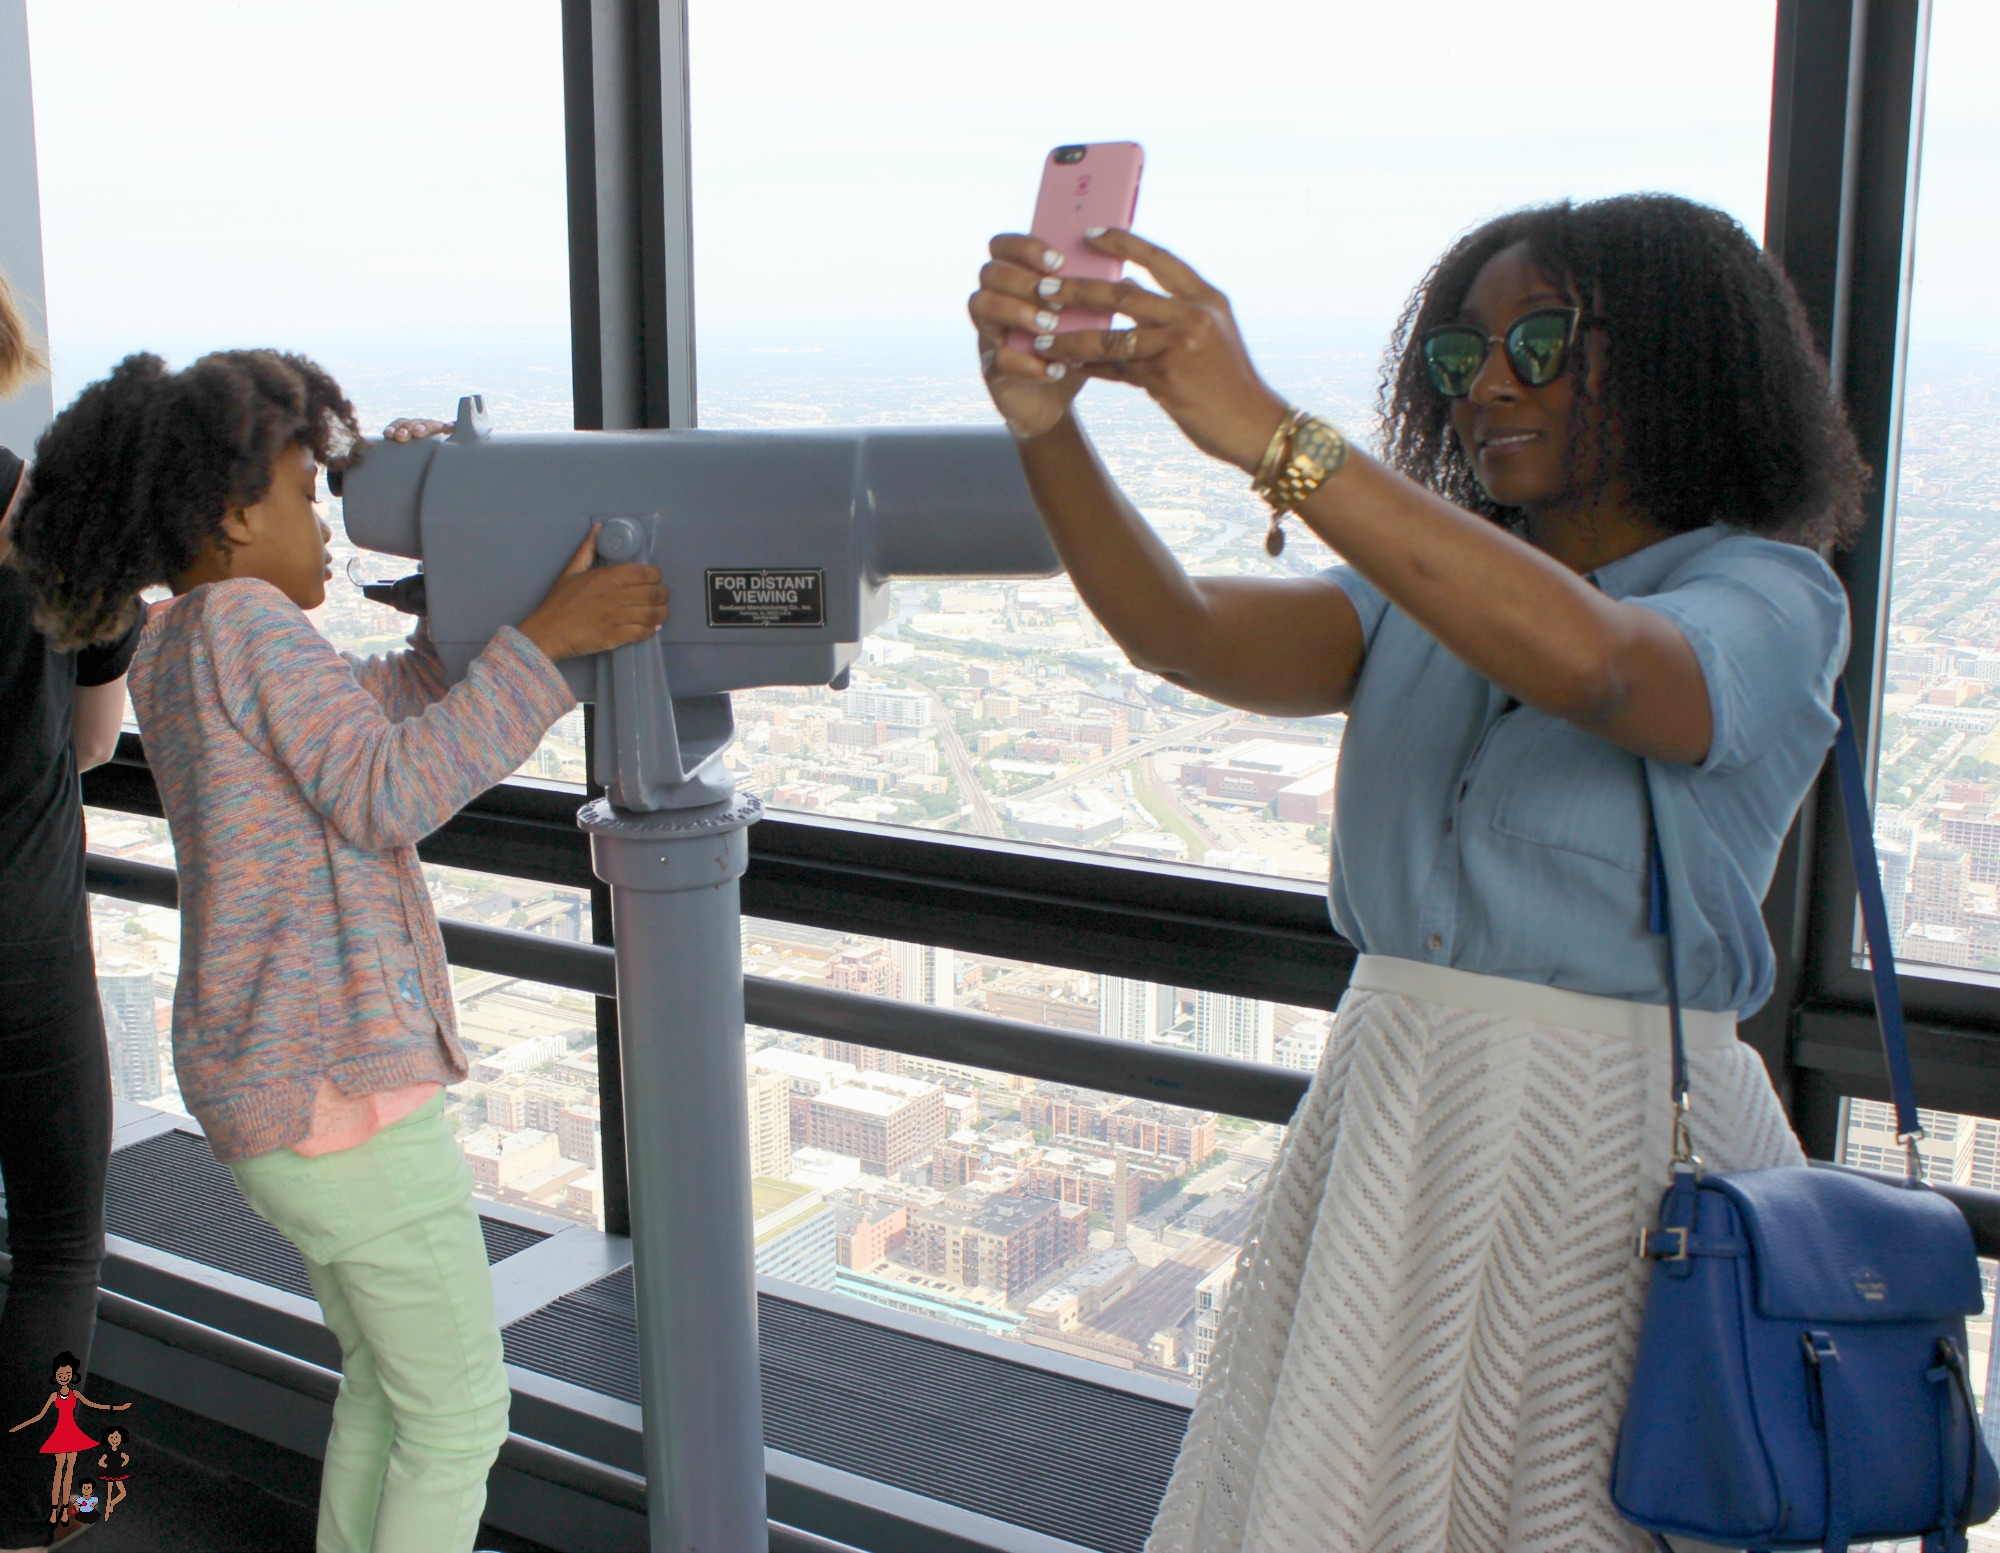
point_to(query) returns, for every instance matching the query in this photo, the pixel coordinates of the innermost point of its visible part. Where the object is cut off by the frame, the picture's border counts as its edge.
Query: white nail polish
(1044, 341)
(1045, 321)
(1047, 286)
(1052, 258)
(1054, 371)
(1093, 231)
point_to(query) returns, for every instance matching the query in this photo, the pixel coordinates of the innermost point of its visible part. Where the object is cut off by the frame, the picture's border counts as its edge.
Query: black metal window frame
(1846, 101)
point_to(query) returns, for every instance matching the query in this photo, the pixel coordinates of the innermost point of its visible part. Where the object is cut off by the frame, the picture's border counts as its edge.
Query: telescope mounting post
(671, 839)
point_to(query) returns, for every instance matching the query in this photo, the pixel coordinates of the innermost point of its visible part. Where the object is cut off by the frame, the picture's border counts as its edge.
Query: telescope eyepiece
(405, 594)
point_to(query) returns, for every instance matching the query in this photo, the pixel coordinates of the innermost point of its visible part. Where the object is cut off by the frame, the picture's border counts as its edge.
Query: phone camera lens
(1069, 154)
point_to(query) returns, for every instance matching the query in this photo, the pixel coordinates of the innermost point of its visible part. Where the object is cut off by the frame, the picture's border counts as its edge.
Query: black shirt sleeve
(101, 664)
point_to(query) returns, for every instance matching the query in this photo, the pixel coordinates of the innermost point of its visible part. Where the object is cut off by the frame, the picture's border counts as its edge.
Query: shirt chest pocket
(1554, 785)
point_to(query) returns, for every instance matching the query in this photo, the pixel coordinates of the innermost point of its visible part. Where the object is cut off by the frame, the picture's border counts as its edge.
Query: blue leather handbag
(1800, 1379)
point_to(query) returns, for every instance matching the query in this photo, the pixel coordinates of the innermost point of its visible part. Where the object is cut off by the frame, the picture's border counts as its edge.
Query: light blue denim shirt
(1509, 842)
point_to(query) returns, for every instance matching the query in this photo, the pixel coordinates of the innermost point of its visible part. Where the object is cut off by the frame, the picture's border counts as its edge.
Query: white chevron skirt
(1430, 1335)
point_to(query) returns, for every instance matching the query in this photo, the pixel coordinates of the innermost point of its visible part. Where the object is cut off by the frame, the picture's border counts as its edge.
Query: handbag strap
(1875, 924)
(1875, 919)
(1661, 921)
(1830, 1389)
(1958, 1426)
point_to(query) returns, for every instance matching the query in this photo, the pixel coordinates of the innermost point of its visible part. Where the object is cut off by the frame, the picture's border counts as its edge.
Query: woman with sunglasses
(1579, 593)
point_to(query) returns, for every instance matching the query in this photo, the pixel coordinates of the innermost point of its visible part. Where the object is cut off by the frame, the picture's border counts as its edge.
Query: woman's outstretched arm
(1286, 647)
(1512, 612)
(1519, 616)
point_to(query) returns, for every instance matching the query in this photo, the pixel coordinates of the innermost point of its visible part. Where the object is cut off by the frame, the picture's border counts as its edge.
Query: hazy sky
(280, 172)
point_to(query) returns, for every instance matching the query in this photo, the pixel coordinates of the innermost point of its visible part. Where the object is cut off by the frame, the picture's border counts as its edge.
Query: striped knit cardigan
(297, 781)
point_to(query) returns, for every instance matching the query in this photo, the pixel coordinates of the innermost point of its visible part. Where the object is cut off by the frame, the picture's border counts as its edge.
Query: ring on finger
(1129, 346)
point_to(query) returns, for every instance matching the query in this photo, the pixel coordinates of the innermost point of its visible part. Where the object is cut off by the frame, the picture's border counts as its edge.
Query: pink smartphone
(1083, 187)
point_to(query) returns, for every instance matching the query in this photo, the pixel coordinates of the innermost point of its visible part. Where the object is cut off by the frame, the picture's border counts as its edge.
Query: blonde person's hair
(21, 355)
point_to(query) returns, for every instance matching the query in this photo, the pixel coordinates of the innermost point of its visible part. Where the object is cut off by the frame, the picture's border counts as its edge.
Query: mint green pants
(393, 1246)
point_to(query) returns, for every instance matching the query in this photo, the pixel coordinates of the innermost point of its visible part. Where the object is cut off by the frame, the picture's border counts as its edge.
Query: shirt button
(1447, 824)
(1434, 943)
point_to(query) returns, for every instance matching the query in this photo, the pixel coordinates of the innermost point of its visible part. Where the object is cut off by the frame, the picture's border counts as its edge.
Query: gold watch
(1315, 452)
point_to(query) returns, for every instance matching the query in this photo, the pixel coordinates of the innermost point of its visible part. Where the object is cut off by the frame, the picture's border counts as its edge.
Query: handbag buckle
(1684, 1156)
(1647, 1251)
(1820, 1356)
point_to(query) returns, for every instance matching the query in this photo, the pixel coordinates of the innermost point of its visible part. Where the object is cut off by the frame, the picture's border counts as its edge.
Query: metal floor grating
(1059, 1456)
(171, 1193)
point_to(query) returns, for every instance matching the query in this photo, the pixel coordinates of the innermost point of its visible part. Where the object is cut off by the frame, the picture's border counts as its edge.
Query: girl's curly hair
(1721, 403)
(131, 482)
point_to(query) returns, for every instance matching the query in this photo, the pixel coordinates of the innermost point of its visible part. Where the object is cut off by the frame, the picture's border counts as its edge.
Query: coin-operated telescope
(777, 549)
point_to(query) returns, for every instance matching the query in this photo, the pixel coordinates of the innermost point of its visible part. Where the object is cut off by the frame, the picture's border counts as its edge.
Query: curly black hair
(131, 483)
(1721, 402)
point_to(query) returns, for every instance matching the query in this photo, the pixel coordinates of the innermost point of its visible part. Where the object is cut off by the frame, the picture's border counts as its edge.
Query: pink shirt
(341, 1122)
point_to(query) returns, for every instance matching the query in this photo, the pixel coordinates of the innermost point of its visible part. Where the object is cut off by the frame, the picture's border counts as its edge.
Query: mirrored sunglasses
(1537, 345)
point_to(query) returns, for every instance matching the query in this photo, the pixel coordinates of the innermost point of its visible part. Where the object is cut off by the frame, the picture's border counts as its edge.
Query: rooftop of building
(1165, 1115)
(492, 1143)
(776, 1206)
(1003, 1215)
(801, 1065)
(1075, 1094)
(867, 1100)
(1275, 756)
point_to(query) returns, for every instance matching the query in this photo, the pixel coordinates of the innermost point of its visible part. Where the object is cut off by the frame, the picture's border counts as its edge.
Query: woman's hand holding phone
(1185, 349)
(1085, 188)
(1046, 302)
(1032, 395)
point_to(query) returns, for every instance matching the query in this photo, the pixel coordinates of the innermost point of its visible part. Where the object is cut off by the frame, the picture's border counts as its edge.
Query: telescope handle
(654, 752)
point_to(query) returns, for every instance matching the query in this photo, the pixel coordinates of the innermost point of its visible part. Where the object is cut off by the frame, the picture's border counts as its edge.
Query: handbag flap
(1832, 1246)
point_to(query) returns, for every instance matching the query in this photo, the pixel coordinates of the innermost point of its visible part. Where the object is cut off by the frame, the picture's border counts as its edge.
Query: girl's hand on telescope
(594, 608)
(589, 608)
(1031, 394)
(406, 427)
(1185, 349)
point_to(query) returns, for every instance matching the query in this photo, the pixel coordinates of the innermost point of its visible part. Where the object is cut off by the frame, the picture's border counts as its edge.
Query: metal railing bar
(1244, 936)
(1980, 1208)
(916, 859)
(1245, 1089)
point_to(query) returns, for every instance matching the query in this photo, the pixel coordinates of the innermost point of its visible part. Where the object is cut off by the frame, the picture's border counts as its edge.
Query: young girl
(114, 1467)
(313, 1022)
